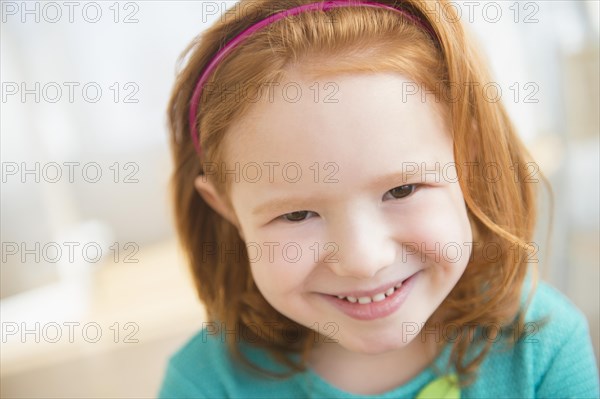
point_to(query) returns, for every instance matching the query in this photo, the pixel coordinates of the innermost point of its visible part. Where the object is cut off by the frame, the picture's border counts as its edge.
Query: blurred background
(95, 294)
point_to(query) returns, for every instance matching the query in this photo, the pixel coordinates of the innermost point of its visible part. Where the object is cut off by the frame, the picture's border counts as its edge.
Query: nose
(364, 245)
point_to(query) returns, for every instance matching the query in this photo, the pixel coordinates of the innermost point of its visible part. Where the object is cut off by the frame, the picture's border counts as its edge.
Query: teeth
(367, 299)
(379, 297)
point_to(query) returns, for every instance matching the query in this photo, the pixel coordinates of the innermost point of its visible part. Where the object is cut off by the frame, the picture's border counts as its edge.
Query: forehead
(365, 122)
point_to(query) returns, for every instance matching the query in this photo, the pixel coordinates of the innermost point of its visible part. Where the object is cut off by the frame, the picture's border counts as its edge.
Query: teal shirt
(556, 361)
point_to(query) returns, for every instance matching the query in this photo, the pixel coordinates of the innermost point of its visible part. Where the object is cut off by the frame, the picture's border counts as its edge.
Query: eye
(297, 216)
(402, 191)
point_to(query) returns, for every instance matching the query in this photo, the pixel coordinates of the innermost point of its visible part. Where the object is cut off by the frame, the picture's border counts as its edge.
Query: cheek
(439, 230)
(282, 282)
(280, 268)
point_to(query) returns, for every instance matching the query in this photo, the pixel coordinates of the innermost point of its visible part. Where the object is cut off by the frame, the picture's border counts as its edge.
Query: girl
(358, 216)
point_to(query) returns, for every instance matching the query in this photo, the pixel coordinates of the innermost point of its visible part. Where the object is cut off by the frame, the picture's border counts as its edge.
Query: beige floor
(155, 294)
(132, 372)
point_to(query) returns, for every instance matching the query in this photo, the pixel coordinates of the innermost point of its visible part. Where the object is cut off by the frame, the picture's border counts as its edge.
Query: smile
(368, 299)
(377, 305)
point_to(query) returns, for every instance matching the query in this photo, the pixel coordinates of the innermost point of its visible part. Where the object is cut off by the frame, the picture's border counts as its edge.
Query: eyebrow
(398, 178)
(278, 205)
(401, 177)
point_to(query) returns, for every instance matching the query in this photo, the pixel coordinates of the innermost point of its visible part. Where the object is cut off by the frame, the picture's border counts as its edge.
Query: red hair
(369, 40)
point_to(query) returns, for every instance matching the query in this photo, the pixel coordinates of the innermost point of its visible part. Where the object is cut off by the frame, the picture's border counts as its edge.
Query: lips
(371, 310)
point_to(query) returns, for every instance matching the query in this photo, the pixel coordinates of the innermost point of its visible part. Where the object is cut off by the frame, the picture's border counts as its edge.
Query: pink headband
(223, 52)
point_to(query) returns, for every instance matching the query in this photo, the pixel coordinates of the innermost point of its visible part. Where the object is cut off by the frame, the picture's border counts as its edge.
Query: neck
(368, 374)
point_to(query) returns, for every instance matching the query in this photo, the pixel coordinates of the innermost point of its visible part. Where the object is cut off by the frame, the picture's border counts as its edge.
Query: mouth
(365, 299)
(374, 304)
(376, 295)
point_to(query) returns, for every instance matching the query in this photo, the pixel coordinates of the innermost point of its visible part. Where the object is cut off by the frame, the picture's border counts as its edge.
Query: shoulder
(204, 368)
(561, 314)
(549, 301)
(552, 321)
(564, 362)
(192, 369)
(554, 358)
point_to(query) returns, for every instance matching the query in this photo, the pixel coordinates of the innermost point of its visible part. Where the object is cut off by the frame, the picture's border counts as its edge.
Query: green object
(445, 387)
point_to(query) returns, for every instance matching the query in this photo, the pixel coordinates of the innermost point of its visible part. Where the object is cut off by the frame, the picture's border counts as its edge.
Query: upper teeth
(368, 299)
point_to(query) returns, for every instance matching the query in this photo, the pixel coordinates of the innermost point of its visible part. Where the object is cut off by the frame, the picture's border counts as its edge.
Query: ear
(209, 193)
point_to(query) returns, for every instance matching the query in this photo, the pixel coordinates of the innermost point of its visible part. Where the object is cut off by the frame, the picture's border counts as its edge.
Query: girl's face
(347, 187)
